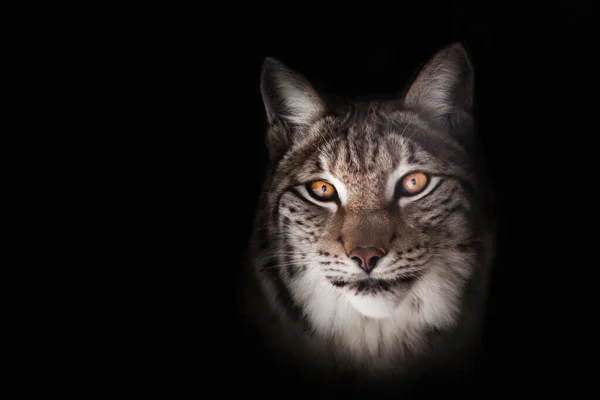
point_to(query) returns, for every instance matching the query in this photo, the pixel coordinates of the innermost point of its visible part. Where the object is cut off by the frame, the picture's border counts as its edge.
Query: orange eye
(322, 190)
(414, 183)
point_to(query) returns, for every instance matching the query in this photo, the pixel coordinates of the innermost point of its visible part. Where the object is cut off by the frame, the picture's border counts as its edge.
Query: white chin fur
(374, 306)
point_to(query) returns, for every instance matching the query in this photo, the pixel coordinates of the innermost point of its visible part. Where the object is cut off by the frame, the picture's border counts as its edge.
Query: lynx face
(363, 207)
(370, 225)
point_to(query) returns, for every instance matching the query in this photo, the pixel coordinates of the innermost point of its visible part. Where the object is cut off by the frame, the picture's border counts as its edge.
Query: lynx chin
(373, 238)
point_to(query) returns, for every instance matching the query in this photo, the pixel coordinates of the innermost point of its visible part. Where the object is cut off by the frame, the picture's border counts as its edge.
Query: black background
(536, 87)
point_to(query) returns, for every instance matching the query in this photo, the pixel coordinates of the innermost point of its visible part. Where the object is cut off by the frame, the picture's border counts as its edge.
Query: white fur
(373, 329)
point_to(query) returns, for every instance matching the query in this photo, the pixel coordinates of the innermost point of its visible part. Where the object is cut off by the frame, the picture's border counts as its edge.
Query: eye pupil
(324, 188)
(413, 181)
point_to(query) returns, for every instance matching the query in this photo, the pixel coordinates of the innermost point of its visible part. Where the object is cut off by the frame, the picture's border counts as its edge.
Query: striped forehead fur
(375, 132)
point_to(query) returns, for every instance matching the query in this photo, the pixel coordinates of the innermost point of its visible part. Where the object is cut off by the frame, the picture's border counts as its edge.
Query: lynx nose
(366, 257)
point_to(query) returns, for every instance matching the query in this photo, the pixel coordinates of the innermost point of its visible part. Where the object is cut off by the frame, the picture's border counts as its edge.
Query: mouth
(377, 297)
(373, 285)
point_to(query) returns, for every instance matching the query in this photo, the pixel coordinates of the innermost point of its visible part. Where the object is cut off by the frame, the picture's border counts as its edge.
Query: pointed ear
(290, 102)
(443, 90)
(288, 95)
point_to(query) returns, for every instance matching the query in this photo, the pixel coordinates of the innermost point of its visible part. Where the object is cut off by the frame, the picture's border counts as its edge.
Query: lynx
(373, 239)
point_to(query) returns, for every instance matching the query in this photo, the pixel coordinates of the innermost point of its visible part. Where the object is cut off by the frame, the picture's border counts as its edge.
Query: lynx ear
(443, 90)
(288, 95)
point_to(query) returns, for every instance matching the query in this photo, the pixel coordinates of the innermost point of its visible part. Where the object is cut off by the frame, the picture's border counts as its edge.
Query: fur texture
(421, 308)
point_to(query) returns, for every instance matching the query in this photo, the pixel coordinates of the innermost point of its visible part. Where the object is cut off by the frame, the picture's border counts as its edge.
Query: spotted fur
(424, 300)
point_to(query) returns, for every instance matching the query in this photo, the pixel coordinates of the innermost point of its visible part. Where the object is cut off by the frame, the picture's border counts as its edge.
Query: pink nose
(366, 257)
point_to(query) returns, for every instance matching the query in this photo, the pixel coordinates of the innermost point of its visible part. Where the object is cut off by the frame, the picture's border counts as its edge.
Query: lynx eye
(414, 183)
(322, 190)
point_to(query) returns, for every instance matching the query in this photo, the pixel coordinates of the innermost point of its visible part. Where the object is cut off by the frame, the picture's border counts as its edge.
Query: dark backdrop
(536, 79)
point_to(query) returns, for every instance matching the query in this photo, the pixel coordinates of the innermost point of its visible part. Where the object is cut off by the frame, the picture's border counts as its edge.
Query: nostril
(358, 260)
(373, 261)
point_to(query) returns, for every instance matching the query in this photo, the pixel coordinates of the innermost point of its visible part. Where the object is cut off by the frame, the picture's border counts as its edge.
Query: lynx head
(374, 203)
